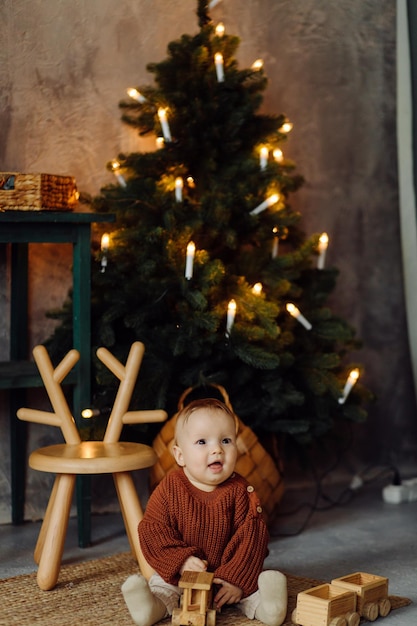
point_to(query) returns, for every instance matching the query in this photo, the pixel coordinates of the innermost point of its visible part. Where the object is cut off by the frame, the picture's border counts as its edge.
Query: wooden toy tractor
(196, 601)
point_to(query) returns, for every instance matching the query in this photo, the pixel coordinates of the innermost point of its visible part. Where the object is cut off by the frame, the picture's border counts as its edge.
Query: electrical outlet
(406, 492)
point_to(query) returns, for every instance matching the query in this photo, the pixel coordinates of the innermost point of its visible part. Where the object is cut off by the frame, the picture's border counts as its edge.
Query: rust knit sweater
(224, 526)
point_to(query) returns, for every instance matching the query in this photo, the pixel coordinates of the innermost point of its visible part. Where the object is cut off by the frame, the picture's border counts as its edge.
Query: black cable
(344, 497)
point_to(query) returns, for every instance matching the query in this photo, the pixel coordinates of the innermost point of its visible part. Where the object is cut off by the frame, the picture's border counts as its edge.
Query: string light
(116, 171)
(257, 65)
(162, 114)
(231, 313)
(275, 243)
(136, 95)
(179, 184)
(278, 155)
(220, 29)
(350, 383)
(322, 247)
(189, 261)
(218, 62)
(257, 289)
(263, 158)
(295, 312)
(286, 127)
(265, 204)
(104, 245)
(89, 413)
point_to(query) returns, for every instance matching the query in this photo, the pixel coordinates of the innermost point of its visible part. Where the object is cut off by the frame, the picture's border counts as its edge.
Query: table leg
(18, 351)
(18, 462)
(81, 273)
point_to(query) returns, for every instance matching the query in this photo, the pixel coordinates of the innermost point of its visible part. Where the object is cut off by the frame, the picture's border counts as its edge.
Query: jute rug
(88, 594)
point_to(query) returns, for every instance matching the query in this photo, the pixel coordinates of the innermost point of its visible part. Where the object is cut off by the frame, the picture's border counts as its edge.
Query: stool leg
(131, 539)
(44, 528)
(54, 539)
(132, 514)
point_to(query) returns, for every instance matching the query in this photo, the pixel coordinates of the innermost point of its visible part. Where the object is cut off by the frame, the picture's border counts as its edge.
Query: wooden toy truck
(196, 601)
(326, 605)
(371, 592)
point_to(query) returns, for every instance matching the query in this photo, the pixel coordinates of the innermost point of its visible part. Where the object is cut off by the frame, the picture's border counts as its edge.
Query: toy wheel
(211, 617)
(370, 611)
(293, 617)
(338, 621)
(353, 619)
(384, 607)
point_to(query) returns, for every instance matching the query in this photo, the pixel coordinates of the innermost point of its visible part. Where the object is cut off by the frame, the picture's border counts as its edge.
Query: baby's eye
(227, 440)
(201, 442)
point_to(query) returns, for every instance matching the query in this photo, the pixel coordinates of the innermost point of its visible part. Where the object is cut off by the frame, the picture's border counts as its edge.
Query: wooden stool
(74, 457)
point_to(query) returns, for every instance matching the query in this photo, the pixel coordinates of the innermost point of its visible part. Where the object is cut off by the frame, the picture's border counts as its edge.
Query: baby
(206, 517)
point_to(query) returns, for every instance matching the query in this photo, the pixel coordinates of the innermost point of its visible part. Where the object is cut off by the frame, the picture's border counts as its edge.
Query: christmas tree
(207, 263)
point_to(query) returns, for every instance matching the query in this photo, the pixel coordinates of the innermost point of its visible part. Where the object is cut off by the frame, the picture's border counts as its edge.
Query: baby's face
(206, 448)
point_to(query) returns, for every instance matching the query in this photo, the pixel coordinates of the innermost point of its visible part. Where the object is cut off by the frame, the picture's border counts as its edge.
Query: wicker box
(37, 192)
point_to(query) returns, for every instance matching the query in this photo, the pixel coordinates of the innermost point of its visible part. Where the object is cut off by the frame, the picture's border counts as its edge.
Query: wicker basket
(254, 462)
(37, 192)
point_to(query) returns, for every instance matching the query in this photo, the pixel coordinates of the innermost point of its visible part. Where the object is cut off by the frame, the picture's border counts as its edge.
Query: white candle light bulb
(286, 127)
(136, 95)
(231, 312)
(275, 243)
(278, 155)
(104, 246)
(219, 64)
(89, 413)
(105, 240)
(179, 184)
(257, 289)
(257, 65)
(263, 157)
(295, 312)
(162, 114)
(189, 261)
(350, 383)
(322, 247)
(265, 204)
(220, 29)
(116, 171)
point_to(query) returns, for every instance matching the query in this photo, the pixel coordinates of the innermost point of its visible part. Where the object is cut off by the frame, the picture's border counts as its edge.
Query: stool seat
(92, 457)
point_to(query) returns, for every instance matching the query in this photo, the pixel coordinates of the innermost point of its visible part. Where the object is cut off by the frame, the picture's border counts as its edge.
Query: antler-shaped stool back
(75, 457)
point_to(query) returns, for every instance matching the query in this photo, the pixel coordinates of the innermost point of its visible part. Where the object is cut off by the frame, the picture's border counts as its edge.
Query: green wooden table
(19, 229)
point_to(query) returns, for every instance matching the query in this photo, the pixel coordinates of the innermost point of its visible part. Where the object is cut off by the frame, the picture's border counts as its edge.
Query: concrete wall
(65, 65)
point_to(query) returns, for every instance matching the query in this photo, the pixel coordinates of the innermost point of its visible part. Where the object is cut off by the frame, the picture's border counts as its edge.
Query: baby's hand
(227, 594)
(194, 564)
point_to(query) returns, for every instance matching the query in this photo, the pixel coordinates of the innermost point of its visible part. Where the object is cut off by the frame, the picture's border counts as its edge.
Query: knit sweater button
(250, 488)
(259, 509)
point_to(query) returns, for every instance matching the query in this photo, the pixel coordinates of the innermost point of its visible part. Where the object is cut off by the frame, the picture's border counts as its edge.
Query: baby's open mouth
(216, 465)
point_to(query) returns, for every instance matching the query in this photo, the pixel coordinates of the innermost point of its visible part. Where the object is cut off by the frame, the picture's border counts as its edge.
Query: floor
(320, 539)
